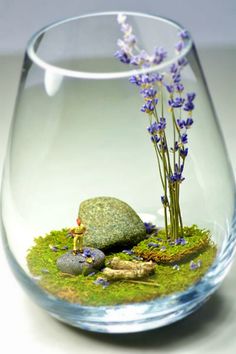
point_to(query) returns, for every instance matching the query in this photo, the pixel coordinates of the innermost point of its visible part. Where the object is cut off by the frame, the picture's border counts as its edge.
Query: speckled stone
(77, 264)
(110, 223)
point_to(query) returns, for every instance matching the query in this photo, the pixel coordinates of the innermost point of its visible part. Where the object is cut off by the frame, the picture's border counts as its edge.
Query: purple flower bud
(135, 80)
(164, 200)
(179, 46)
(176, 78)
(122, 56)
(191, 96)
(148, 107)
(179, 87)
(184, 138)
(170, 88)
(176, 102)
(184, 34)
(155, 139)
(163, 248)
(183, 152)
(153, 244)
(193, 265)
(158, 77)
(149, 227)
(87, 252)
(159, 55)
(173, 68)
(181, 123)
(176, 267)
(129, 252)
(188, 123)
(182, 62)
(101, 281)
(163, 146)
(189, 106)
(149, 92)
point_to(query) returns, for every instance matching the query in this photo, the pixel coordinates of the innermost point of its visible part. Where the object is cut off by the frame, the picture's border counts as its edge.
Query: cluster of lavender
(164, 100)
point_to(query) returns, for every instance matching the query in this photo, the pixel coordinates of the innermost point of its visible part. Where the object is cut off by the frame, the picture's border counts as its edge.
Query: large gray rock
(85, 263)
(110, 223)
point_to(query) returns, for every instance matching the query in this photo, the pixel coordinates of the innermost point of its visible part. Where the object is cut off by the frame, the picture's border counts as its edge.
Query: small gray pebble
(76, 264)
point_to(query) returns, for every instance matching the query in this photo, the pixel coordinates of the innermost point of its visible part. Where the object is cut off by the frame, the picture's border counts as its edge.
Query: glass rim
(30, 49)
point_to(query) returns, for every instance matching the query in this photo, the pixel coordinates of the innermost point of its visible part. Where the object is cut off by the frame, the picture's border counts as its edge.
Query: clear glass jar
(77, 133)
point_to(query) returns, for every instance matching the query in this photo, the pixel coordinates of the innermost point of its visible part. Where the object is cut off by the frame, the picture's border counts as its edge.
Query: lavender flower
(170, 88)
(180, 241)
(151, 89)
(157, 128)
(184, 34)
(159, 55)
(102, 281)
(122, 56)
(163, 248)
(193, 265)
(149, 227)
(176, 78)
(149, 106)
(179, 88)
(129, 252)
(163, 146)
(176, 147)
(164, 200)
(155, 139)
(141, 59)
(177, 176)
(182, 62)
(181, 123)
(184, 138)
(176, 102)
(173, 68)
(87, 252)
(176, 267)
(179, 46)
(149, 93)
(189, 106)
(153, 244)
(189, 123)
(183, 152)
(135, 80)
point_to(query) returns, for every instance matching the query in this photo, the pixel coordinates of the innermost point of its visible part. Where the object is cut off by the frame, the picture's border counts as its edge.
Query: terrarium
(118, 197)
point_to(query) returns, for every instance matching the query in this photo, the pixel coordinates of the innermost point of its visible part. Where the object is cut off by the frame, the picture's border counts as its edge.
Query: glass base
(132, 317)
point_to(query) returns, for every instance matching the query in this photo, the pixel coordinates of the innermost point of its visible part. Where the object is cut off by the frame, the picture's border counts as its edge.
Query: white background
(24, 327)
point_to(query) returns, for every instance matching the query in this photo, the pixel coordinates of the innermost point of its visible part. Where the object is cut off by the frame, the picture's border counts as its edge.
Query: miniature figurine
(77, 233)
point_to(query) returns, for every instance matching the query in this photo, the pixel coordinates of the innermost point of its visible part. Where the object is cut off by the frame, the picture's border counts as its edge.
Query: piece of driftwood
(117, 263)
(120, 269)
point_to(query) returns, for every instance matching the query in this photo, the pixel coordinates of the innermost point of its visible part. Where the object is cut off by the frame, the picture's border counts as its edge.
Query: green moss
(197, 240)
(81, 289)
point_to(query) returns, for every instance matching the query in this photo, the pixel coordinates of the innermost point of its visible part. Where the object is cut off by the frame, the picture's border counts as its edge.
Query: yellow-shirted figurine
(78, 234)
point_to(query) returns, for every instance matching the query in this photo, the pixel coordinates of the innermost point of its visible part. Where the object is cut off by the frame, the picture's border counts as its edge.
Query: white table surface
(25, 328)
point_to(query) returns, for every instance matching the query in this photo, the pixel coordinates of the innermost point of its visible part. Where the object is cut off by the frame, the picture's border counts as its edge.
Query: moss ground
(166, 279)
(196, 240)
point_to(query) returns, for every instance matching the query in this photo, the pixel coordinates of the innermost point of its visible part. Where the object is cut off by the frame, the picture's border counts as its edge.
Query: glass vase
(78, 134)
